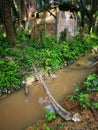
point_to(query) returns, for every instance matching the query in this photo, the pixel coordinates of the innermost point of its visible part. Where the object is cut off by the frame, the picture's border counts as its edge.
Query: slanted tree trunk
(7, 21)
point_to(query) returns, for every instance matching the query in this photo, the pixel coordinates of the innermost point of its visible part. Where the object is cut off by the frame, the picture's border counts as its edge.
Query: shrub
(50, 115)
(82, 92)
(10, 77)
(51, 56)
(91, 83)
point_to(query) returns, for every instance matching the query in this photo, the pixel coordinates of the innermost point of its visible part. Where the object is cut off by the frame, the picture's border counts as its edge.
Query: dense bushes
(10, 76)
(83, 93)
(17, 58)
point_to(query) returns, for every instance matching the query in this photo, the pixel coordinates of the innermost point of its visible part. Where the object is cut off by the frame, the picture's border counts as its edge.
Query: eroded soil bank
(89, 119)
(18, 111)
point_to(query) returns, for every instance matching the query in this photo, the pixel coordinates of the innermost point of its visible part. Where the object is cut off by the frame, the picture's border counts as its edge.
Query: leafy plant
(46, 127)
(95, 105)
(82, 92)
(91, 83)
(63, 35)
(78, 90)
(10, 76)
(50, 115)
(61, 125)
(84, 100)
(51, 56)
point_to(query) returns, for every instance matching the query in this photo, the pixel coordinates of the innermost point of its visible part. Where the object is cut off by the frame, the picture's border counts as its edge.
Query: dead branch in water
(59, 109)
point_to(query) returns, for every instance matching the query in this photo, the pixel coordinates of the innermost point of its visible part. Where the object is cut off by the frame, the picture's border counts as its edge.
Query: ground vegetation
(17, 60)
(84, 103)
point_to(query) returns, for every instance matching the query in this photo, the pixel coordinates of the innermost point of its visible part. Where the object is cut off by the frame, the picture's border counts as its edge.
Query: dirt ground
(89, 118)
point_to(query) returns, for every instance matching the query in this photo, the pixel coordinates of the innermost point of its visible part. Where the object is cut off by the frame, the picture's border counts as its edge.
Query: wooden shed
(54, 21)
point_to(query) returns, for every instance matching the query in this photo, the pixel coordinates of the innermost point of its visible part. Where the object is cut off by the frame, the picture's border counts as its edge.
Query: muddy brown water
(18, 111)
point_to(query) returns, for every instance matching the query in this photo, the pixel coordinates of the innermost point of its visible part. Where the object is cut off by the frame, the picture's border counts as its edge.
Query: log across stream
(18, 111)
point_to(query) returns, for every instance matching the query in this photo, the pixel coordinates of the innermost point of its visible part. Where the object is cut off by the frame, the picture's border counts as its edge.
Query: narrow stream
(18, 111)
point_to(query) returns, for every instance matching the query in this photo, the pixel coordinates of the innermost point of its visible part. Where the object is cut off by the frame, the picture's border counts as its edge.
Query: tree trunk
(7, 20)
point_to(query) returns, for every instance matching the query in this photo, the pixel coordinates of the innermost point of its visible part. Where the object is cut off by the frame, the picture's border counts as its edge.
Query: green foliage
(50, 60)
(46, 127)
(52, 55)
(82, 92)
(10, 77)
(2, 37)
(95, 105)
(83, 100)
(50, 115)
(78, 89)
(63, 35)
(88, 19)
(91, 41)
(21, 35)
(91, 83)
(60, 125)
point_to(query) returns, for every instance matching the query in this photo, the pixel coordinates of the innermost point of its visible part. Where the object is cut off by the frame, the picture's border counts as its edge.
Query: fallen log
(59, 109)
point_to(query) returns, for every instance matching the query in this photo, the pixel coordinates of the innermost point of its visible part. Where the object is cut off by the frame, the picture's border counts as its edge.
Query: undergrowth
(83, 93)
(17, 58)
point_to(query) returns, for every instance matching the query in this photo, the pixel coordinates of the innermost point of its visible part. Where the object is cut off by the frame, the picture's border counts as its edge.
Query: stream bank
(23, 110)
(88, 117)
